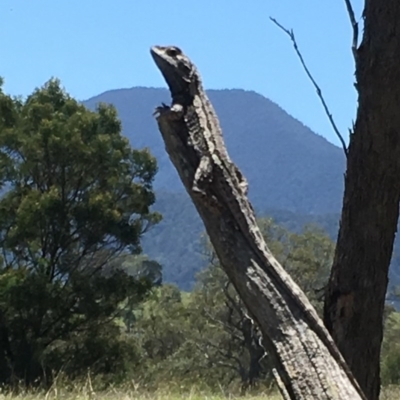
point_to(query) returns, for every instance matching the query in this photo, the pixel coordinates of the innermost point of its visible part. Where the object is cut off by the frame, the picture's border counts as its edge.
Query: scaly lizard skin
(191, 105)
(190, 102)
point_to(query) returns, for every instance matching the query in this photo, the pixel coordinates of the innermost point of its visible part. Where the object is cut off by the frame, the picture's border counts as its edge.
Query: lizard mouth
(169, 69)
(158, 58)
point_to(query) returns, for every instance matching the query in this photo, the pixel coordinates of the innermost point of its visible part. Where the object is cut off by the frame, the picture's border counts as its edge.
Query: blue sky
(98, 45)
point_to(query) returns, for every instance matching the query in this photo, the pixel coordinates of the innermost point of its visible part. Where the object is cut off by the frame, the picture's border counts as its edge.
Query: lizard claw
(174, 113)
(161, 110)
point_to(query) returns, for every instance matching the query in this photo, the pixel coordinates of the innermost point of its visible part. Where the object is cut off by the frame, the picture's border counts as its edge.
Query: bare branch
(354, 25)
(317, 88)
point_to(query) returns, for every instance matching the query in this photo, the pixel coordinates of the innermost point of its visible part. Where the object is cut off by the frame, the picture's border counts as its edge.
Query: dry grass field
(85, 393)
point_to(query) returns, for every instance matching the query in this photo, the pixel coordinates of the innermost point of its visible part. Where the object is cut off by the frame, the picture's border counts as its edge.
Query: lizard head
(178, 71)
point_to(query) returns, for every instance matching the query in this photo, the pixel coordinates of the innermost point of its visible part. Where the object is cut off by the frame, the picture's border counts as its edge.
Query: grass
(129, 395)
(66, 390)
(86, 392)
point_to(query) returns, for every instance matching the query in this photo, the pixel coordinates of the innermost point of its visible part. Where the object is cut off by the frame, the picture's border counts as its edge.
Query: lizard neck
(185, 95)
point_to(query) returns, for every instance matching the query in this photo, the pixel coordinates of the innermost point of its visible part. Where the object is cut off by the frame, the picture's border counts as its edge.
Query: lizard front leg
(202, 176)
(174, 112)
(202, 181)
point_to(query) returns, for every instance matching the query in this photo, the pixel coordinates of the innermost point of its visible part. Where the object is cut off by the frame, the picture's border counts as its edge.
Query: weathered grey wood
(306, 358)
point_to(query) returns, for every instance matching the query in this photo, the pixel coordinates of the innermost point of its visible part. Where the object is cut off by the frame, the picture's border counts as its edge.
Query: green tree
(162, 328)
(138, 266)
(76, 196)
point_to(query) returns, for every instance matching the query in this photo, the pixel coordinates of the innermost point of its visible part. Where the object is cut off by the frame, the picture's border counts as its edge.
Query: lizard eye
(174, 51)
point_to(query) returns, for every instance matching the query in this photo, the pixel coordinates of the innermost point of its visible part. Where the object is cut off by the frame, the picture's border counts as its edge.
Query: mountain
(295, 175)
(287, 165)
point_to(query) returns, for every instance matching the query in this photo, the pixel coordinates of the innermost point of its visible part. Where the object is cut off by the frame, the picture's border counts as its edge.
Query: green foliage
(77, 196)
(390, 356)
(206, 335)
(141, 267)
(229, 342)
(307, 256)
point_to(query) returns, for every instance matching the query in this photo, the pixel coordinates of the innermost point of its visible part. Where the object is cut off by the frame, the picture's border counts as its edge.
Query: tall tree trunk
(355, 296)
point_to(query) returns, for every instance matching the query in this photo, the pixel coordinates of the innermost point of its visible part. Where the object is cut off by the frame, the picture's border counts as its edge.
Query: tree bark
(355, 297)
(308, 362)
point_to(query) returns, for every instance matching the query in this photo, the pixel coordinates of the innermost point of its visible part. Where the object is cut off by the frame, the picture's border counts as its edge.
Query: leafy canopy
(75, 196)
